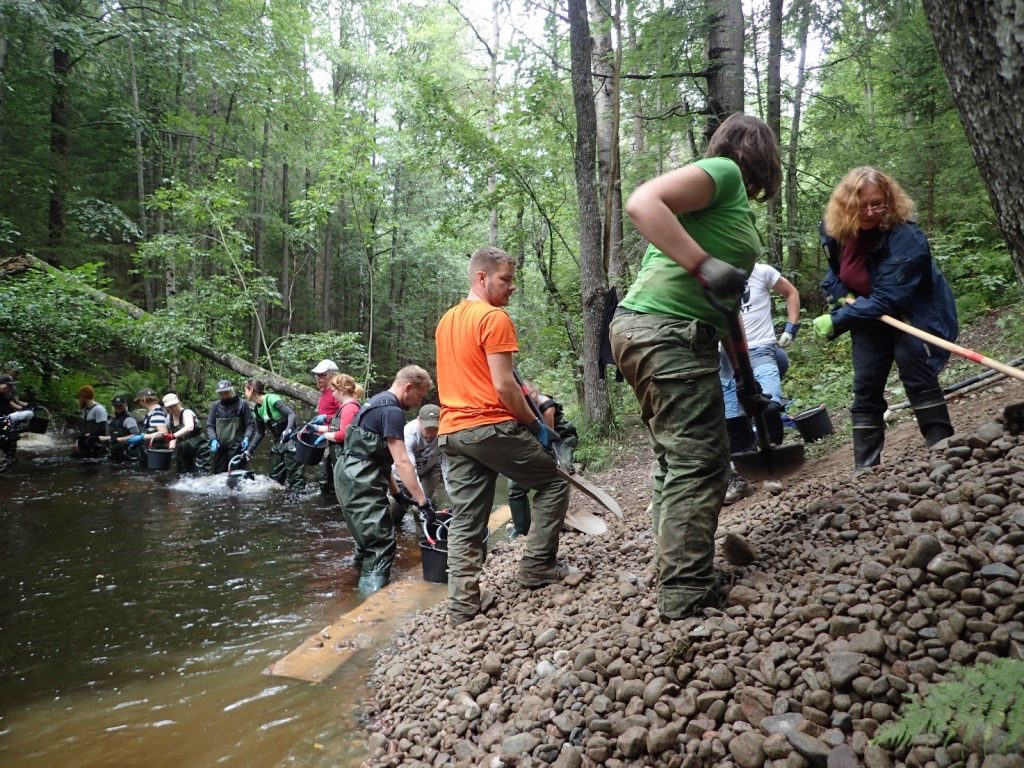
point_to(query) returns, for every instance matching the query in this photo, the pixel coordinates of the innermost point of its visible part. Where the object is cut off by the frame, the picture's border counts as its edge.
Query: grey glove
(720, 277)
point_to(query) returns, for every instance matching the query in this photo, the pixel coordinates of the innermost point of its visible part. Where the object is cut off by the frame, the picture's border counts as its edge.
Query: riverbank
(859, 593)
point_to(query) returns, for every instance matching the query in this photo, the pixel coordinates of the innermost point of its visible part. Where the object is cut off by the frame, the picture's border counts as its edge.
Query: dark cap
(429, 415)
(6, 378)
(225, 385)
(121, 400)
(145, 393)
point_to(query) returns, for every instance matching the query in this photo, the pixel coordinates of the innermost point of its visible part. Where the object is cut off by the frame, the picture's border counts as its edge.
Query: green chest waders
(361, 482)
(192, 449)
(230, 432)
(284, 469)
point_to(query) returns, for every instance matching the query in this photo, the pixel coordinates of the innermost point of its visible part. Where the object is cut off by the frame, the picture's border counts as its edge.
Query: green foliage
(295, 355)
(819, 373)
(975, 261)
(977, 701)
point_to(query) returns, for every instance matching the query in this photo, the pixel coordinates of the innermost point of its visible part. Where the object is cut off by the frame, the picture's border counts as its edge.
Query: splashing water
(257, 487)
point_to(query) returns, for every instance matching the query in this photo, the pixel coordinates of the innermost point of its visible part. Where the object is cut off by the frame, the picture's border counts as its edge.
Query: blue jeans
(765, 363)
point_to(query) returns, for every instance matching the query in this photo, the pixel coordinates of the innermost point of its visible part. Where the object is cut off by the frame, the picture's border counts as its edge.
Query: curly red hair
(842, 214)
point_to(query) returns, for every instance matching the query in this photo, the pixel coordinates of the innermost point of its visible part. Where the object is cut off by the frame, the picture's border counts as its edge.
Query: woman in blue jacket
(878, 256)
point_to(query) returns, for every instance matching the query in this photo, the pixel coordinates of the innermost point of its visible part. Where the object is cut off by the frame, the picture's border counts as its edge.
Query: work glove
(286, 436)
(135, 439)
(842, 302)
(789, 334)
(540, 430)
(427, 513)
(823, 328)
(167, 437)
(405, 499)
(754, 401)
(245, 444)
(720, 277)
(322, 440)
(319, 420)
(214, 445)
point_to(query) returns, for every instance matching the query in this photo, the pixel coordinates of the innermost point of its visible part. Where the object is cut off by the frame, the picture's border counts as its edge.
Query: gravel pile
(857, 592)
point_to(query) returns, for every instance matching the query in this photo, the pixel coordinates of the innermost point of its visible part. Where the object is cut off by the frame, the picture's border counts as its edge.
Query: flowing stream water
(139, 612)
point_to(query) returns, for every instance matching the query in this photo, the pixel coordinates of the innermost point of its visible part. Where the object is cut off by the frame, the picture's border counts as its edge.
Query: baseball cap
(325, 366)
(224, 385)
(170, 399)
(121, 400)
(145, 393)
(429, 415)
(6, 378)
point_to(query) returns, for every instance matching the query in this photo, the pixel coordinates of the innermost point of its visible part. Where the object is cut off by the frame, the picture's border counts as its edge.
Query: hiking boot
(738, 489)
(536, 580)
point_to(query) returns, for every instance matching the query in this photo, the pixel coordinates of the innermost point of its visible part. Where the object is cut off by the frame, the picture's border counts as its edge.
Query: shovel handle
(949, 346)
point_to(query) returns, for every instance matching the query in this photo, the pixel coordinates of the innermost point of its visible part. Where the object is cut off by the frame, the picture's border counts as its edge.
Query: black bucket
(40, 420)
(235, 478)
(813, 424)
(435, 560)
(308, 454)
(159, 458)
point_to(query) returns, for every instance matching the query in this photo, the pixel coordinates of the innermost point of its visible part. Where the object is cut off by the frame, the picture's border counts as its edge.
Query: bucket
(40, 420)
(159, 458)
(435, 560)
(306, 453)
(813, 424)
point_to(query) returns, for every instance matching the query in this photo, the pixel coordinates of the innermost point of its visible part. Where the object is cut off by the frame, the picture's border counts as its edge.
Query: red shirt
(853, 262)
(327, 406)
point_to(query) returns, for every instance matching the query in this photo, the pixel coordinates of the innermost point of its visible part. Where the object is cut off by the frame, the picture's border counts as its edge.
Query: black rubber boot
(773, 420)
(868, 439)
(932, 416)
(519, 504)
(741, 435)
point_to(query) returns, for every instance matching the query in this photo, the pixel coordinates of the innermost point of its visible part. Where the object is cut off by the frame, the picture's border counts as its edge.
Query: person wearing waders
(188, 438)
(273, 414)
(121, 426)
(230, 427)
(374, 442)
(878, 256)
(487, 428)
(665, 337)
(568, 440)
(326, 409)
(94, 425)
(425, 455)
(154, 425)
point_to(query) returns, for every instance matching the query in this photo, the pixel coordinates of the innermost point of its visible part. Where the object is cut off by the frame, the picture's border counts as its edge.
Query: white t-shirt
(97, 414)
(756, 309)
(424, 454)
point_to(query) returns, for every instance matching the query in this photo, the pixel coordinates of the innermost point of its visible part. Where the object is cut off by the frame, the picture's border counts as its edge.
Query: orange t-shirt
(466, 334)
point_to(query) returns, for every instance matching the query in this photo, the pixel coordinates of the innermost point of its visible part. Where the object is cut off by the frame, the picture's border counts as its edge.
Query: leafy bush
(979, 700)
(975, 261)
(293, 356)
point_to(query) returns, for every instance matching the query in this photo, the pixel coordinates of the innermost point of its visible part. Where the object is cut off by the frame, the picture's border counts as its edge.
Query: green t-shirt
(725, 229)
(267, 410)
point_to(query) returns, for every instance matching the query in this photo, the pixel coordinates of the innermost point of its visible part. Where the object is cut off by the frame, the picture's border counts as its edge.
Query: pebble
(747, 749)
(815, 750)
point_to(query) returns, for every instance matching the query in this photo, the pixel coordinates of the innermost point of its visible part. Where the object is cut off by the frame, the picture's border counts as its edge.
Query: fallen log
(16, 265)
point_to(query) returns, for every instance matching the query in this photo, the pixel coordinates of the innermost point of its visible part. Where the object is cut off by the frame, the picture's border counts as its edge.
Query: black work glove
(403, 498)
(428, 515)
(720, 277)
(754, 401)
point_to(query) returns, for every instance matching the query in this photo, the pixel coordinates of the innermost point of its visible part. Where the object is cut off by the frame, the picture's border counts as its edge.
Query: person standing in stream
(94, 425)
(120, 428)
(326, 409)
(230, 427)
(375, 441)
(188, 438)
(153, 427)
(274, 414)
(878, 256)
(487, 428)
(665, 337)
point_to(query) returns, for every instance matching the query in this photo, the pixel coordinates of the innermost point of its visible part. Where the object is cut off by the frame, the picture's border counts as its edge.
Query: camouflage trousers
(672, 365)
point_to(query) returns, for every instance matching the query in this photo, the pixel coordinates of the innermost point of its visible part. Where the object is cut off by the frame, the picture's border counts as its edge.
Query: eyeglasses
(874, 208)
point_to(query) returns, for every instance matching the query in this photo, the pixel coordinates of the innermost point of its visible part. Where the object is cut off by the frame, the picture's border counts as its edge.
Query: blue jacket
(905, 283)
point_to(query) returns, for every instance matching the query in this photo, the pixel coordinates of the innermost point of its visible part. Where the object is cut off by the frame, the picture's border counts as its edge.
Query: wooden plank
(321, 655)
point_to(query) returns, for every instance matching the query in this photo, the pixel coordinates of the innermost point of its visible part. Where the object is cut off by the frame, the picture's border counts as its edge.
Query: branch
(472, 28)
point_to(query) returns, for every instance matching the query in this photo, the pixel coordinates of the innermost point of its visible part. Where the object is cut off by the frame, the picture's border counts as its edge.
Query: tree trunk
(725, 61)
(60, 113)
(492, 83)
(18, 264)
(980, 47)
(795, 250)
(3, 93)
(259, 341)
(773, 109)
(593, 279)
(286, 251)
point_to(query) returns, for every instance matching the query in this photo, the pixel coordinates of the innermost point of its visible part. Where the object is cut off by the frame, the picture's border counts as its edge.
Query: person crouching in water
(375, 441)
(188, 440)
(274, 414)
(153, 427)
(119, 428)
(94, 425)
(230, 427)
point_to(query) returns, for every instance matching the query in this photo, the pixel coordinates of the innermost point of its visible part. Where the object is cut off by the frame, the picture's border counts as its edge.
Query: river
(139, 612)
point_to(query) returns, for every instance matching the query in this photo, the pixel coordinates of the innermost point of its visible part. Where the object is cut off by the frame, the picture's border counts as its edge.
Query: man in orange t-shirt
(487, 429)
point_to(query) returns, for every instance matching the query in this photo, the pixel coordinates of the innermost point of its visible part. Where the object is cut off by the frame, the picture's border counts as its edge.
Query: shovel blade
(772, 463)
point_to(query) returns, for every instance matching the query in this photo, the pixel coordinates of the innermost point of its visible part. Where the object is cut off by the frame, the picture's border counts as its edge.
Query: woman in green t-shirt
(665, 338)
(274, 414)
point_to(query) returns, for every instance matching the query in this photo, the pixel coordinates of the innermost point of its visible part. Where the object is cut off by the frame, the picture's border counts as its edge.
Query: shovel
(769, 461)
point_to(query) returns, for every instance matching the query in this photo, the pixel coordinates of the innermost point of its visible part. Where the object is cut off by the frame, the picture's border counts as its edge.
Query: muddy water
(138, 613)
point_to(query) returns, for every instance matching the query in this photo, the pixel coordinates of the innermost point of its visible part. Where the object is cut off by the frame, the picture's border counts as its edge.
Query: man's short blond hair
(413, 374)
(488, 260)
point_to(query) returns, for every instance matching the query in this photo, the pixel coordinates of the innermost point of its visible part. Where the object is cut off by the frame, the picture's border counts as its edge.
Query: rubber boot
(741, 434)
(773, 420)
(519, 504)
(932, 416)
(868, 439)
(370, 583)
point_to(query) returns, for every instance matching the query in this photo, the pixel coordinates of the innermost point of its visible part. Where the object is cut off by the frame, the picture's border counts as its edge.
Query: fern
(979, 699)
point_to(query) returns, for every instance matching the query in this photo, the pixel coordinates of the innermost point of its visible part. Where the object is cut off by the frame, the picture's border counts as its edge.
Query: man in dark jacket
(230, 427)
